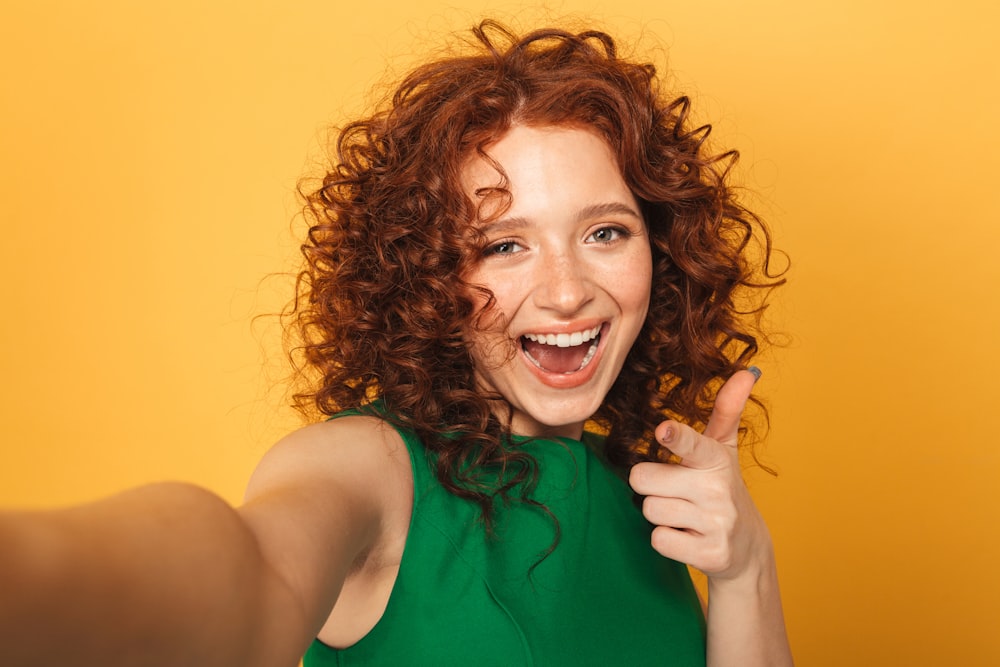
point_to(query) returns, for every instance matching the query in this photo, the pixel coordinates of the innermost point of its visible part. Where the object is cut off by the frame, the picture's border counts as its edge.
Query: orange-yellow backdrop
(149, 158)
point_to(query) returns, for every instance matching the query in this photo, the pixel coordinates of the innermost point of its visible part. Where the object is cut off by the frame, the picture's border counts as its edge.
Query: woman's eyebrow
(503, 226)
(610, 208)
(509, 224)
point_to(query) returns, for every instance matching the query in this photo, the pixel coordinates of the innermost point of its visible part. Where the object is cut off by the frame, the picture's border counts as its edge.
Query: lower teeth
(590, 355)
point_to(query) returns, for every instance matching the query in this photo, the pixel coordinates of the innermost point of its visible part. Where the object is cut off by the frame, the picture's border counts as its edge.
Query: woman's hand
(703, 516)
(700, 507)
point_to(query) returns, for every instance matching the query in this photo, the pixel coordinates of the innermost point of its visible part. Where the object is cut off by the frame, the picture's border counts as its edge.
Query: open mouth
(563, 352)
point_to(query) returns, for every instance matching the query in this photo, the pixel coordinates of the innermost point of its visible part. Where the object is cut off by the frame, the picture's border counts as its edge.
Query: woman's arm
(746, 625)
(704, 516)
(169, 574)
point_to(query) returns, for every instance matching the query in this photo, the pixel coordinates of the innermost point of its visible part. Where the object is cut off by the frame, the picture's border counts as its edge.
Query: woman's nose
(562, 284)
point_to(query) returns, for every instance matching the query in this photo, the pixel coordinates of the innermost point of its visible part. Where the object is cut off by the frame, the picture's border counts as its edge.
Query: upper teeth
(565, 339)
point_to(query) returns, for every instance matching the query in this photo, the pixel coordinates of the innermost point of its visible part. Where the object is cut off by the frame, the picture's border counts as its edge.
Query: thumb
(724, 423)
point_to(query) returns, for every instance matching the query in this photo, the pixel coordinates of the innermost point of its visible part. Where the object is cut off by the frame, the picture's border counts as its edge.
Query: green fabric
(603, 597)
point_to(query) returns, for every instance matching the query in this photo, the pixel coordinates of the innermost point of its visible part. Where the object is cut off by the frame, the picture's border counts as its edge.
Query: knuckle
(649, 507)
(660, 539)
(717, 558)
(717, 490)
(724, 524)
(635, 476)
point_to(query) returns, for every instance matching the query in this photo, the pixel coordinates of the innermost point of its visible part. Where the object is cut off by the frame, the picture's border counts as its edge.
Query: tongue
(557, 359)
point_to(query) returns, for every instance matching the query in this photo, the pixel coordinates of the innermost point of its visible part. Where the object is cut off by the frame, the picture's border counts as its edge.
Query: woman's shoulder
(357, 445)
(325, 501)
(357, 462)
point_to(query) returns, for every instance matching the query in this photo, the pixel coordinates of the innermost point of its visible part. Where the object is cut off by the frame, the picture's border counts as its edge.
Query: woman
(525, 240)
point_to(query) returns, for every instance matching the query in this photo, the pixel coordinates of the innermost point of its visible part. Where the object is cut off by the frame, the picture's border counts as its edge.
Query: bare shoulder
(352, 449)
(321, 499)
(357, 463)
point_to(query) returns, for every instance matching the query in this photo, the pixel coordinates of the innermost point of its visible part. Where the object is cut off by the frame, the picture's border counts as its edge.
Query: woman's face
(570, 266)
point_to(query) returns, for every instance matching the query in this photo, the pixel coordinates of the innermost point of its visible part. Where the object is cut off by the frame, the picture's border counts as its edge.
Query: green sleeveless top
(602, 597)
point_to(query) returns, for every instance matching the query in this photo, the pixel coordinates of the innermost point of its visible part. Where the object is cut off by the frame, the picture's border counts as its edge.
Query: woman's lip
(574, 378)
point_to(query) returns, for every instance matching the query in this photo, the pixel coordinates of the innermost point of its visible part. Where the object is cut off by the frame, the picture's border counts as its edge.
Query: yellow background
(147, 172)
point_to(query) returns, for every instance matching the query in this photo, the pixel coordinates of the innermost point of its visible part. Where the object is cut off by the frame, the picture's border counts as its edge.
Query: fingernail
(668, 435)
(756, 372)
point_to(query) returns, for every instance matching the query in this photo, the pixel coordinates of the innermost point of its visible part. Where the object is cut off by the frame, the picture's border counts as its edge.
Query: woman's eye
(606, 234)
(503, 248)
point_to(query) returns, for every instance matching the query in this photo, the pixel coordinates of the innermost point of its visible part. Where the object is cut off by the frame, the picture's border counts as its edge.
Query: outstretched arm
(169, 574)
(704, 516)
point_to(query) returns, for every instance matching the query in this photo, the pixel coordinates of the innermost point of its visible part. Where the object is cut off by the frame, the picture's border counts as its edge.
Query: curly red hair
(382, 305)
